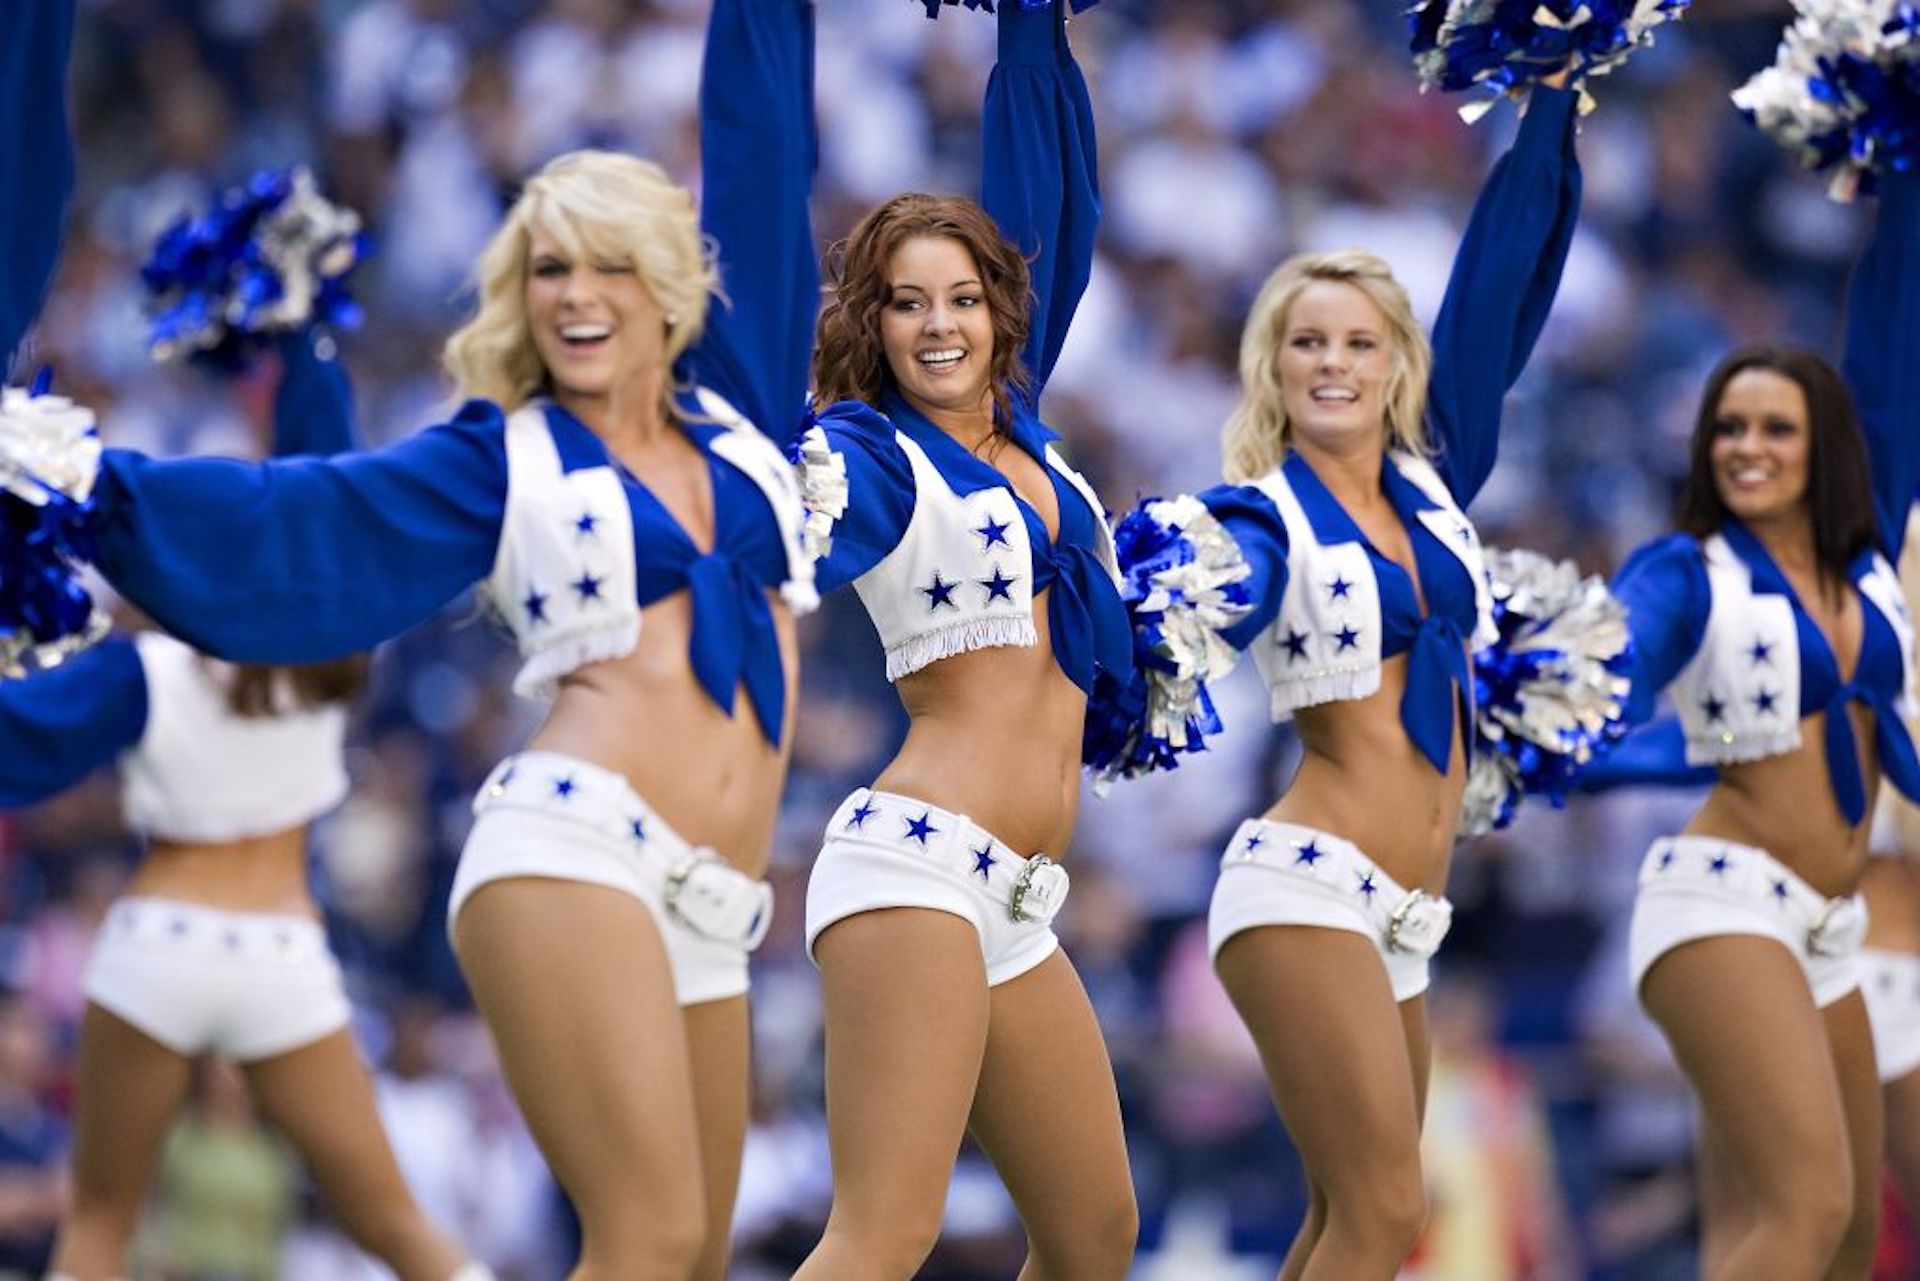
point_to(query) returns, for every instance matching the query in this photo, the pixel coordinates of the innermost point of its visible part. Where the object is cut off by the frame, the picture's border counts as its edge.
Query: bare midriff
(994, 734)
(266, 874)
(713, 776)
(1892, 887)
(1785, 805)
(1362, 779)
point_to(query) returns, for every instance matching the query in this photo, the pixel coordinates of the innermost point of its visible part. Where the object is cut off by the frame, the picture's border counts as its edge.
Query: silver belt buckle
(1418, 925)
(1838, 929)
(715, 913)
(1039, 892)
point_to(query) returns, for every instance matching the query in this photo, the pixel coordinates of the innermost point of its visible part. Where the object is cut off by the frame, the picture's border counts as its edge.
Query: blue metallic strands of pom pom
(218, 291)
(45, 613)
(1550, 691)
(1505, 46)
(1181, 579)
(933, 7)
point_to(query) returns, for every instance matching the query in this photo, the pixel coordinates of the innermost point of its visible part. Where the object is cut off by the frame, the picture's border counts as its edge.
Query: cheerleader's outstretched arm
(1041, 177)
(757, 153)
(60, 725)
(1504, 279)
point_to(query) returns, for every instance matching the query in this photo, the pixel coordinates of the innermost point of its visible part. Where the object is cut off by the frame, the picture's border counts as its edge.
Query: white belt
(1746, 874)
(1410, 921)
(698, 888)
(1032, 889)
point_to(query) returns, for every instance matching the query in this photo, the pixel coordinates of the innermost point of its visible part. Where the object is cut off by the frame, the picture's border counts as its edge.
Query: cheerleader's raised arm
(1882, 359)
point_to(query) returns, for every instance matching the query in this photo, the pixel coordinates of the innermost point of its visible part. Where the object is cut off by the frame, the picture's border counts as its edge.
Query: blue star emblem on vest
(1762, 652)
(1348, 638)
(999, 587)
(1764, 700)
(587, 524)
(993, 532)
(588, 586)
(1339, 588)
(1296, 643)
(1713, 707)
(941, 593)
(536, 606)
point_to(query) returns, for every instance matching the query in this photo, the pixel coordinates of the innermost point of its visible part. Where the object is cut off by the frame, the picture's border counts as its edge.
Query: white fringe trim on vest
(980, 633)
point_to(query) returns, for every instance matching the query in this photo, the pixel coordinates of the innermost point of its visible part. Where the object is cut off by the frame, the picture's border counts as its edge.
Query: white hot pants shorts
(884, 850)
(544, 814)
(1286, 874)
(246, 985)
(1891, 983)
(1697, 887)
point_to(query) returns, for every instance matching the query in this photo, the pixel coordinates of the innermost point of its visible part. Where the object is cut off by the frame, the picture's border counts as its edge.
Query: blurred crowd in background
(1232, 133)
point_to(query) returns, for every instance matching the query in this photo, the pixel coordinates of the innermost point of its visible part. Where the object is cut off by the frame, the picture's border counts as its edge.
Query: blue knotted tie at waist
(1437, 667)
(1891, 741)
(1091, 631)
(734, 640)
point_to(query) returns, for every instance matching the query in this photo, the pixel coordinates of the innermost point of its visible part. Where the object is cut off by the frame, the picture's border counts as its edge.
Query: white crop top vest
(1716, 693)
(1328, 674)
(202, 773)
(991, 576)
(541, 546)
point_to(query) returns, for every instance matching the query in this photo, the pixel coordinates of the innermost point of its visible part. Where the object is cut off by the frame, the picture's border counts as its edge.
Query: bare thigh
(321, 1097)
(128, 1088)
(906, 1030)
(1048, 1114)
(718, 1038)
(1347, 1066)
(1743, 1026)
(574, 982)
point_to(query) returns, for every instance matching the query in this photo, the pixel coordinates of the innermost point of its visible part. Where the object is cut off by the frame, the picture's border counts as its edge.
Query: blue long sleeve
(313, 406)
(1664, 587)
(36, 158)
(1256, 526)
(1882, 362)
(58, 726)
(757, 152)
(880, 493)
(1041, 178)
(302, 560)
(1653, 755)
(1504, 279)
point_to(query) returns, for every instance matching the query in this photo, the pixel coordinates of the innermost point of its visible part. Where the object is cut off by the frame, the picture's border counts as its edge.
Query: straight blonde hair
(599, 207)
(1257, 433)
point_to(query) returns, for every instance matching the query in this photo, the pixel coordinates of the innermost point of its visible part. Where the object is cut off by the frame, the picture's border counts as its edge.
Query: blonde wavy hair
(1256, 435)
(599, 207)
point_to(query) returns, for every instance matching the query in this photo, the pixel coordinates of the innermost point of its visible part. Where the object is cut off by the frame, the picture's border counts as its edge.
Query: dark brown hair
(1839, 496)
(849, 361)
(253, 692)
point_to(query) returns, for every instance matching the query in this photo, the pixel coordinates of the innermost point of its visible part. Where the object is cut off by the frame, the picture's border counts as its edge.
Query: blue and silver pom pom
(269, 258)
(1505, 47)
(1028, 6)
(1550, 692)
(823, 489)
(49, 459)
(1843, 92)
(1183, 579)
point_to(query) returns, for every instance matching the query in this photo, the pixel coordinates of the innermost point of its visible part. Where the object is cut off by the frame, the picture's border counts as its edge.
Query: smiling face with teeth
(1762, 446)
(596, 326)
(1334, 363)
(937, 329)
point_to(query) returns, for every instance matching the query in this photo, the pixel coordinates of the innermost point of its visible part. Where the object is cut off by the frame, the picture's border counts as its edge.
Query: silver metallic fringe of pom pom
(823, 491)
